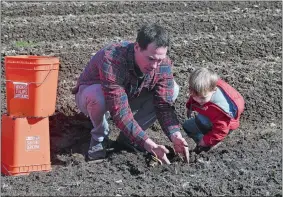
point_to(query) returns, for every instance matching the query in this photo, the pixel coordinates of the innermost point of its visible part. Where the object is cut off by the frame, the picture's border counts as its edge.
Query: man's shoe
(96, 151)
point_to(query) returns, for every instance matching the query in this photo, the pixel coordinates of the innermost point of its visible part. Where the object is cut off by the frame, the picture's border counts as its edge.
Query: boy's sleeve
(218, 132)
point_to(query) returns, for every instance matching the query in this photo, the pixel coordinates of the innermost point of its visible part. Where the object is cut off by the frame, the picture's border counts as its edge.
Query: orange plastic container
(25, 145)
(31, 85)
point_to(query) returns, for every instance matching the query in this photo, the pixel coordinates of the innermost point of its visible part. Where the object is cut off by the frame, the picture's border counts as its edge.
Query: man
(128, 77)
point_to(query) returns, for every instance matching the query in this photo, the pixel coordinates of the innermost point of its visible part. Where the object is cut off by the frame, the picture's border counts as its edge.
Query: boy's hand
(202, 143)
(180, 145)
(198, 149)
(159, 151)
(201, 147)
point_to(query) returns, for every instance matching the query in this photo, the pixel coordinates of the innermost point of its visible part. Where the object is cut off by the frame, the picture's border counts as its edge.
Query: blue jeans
(197, 127)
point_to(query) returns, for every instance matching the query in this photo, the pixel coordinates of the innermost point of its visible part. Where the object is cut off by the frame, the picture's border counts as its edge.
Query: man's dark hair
(152, 33)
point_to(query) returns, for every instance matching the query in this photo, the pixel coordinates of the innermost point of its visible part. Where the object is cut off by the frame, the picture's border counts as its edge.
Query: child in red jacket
(214, 108)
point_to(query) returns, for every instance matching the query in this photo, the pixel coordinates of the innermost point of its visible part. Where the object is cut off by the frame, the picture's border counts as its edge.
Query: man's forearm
(168, 121)
(124, 120)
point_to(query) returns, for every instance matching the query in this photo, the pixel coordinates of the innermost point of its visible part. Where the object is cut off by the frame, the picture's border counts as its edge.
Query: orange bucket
(31, 85)
(25, 145)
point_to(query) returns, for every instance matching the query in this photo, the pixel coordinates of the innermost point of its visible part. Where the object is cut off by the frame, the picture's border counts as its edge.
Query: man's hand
(159, 151)
(180, 145)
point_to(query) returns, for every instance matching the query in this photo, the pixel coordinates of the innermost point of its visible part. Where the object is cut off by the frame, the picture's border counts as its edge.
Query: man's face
(150, 58)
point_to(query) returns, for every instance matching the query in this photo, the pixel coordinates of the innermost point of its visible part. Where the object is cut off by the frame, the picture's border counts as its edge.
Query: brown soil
(242, 41)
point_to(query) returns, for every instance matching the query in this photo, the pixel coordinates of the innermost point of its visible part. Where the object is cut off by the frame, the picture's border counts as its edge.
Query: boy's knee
(189, 126)
(192, 130)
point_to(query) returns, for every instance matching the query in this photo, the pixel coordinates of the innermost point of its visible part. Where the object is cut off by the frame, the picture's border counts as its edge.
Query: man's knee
(91, 100)
(95, 102)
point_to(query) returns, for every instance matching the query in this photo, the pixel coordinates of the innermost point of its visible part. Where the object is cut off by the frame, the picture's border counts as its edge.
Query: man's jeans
(90, 101)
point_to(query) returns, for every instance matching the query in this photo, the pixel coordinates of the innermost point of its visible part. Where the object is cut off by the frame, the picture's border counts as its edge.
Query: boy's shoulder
(233, 94)
(226, 87)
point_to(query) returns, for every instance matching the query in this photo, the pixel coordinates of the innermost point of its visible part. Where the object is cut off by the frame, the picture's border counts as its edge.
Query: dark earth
(242, 41)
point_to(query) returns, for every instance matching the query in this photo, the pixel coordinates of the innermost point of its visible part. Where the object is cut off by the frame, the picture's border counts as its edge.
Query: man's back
(114, 54)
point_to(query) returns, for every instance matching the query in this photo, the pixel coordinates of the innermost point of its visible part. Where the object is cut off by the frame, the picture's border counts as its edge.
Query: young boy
(213, 109)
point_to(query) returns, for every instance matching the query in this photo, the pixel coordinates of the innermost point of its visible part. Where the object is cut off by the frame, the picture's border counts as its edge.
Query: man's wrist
(175, 135)
(149, 145)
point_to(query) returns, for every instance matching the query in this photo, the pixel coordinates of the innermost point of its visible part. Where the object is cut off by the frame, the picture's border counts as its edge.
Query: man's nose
(154, 65)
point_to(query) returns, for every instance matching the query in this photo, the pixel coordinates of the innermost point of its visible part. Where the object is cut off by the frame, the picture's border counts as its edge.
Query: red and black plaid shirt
(114, 68)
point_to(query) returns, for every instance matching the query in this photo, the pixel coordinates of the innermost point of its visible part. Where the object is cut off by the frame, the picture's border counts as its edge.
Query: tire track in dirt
(77, 8)
(101, 18)
(183, 39)
(193, 47)
(89, 27)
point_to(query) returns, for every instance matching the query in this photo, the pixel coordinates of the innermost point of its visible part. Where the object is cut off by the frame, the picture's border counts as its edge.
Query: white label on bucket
(21, 90)
(32, 143)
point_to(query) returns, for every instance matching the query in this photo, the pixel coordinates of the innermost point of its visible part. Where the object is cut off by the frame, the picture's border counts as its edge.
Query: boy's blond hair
(202, 80)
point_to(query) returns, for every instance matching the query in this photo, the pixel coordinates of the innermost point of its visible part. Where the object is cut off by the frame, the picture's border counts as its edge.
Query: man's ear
(136, 47)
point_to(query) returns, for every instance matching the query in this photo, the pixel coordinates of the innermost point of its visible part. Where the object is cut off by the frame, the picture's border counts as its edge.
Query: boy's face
(150, 58)
(202, 99)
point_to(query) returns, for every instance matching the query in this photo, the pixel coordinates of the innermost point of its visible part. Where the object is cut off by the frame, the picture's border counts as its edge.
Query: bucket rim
(30, 57)
(27, 59)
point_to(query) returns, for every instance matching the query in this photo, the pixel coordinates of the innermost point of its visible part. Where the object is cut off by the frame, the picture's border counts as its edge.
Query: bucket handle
(32, 82)
(6, 169)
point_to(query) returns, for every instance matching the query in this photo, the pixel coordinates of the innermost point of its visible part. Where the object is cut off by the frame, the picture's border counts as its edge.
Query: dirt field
(242, 41)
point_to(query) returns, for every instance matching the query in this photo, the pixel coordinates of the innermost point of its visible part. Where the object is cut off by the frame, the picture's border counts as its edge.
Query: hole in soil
(172, 156)
(134, 170)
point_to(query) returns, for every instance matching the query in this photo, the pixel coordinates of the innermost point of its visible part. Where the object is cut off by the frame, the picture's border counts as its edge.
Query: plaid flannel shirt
(114, 68)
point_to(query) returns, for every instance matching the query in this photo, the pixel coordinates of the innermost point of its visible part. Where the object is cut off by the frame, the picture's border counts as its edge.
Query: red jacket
(221, 120)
